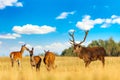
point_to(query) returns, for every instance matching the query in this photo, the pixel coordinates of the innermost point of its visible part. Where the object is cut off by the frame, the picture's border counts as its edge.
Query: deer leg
(49, 67)
(32, 66)
(19, 63)
(47, 64)
(54, 66)
(12, 61)
(87, 63)
(38, 67)
(39, 63)
(103, 61)
(87, 60)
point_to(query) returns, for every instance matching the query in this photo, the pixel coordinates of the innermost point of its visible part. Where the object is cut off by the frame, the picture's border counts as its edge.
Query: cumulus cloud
(116, 20)
(38, 47)
(33, 29)
(87, 23)
(109, 21)
(64, 15)
(5, 3)
(10, 36)
(57, 47)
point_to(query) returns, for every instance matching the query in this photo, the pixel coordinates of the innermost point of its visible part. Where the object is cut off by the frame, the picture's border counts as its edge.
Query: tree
(112, 48)
(68, 52)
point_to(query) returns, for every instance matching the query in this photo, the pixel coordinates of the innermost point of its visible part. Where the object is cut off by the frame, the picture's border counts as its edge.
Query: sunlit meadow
(68, 68)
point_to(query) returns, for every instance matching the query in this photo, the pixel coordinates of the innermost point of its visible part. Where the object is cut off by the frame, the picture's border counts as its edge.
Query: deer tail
(11, 56)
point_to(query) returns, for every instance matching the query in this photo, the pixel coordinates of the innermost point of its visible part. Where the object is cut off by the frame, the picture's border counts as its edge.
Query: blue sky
(44, 24)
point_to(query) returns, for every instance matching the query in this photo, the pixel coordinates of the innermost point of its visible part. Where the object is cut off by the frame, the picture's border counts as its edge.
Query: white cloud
(104, 25)
(87, 23)
(21, 42)
(33, 29)
(38, 47)
(113, 16)
(113, 20)
(116, 20)
(15, 48)
(5, 3)
(56, 47)
(108, 21)
(86, 43)
(64, 15)
(10, 36)
(19, 4)
(71, 30)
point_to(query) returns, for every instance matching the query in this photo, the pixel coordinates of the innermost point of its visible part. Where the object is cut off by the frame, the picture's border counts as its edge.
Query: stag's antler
(72, 41)
(86, 33)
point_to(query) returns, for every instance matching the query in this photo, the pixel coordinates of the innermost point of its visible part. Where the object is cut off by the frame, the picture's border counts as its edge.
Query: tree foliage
(68, 52)
(112, 48)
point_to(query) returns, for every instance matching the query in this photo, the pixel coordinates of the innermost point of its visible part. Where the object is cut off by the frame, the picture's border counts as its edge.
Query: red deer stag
(49, 60)
(17, 55)
(35, 61)
(88, 54)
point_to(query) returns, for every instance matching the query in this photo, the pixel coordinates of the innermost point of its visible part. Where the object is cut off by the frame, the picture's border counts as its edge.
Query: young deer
(35, 61)
(88, 54)
(17, 55)
(49, 60)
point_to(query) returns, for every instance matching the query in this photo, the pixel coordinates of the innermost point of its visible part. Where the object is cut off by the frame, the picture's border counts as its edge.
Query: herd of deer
(88, 54)
(35, 61)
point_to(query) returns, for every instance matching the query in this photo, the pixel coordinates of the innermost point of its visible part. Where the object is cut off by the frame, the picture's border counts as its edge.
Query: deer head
(46, 51)
(77, 46)
(31, 51)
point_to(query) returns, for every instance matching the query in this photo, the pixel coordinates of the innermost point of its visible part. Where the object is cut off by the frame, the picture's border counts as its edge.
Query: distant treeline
(112, 48)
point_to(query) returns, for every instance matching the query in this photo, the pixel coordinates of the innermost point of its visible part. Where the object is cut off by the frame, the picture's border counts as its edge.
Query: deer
(17, 55)
(49, 60)
(35, 61)
(87, 54)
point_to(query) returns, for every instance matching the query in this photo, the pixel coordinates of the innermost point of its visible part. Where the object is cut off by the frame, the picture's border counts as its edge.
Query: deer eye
(79, 46)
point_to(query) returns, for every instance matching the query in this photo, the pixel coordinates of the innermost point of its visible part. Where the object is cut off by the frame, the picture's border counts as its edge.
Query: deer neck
(22, 51)
(80, 48)
(32, 58)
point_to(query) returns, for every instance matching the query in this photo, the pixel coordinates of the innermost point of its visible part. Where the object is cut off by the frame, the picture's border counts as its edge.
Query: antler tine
(72, 41)
(86, 33)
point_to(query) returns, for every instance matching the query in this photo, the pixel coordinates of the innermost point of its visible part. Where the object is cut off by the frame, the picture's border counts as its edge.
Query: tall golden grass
(68, 68)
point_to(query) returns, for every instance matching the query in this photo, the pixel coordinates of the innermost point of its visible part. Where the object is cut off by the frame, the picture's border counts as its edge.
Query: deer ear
(79, 46)
(45, 51)
(32, 48)
(24, 45)
(48, 51)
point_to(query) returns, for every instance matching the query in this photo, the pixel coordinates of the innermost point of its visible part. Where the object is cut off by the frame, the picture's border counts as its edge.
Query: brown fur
(17, 55)
(89, 54)
(49, 60)
(35, 61)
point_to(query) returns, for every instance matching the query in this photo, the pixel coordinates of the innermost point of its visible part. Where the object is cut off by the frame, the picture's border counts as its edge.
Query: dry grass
(68, 68)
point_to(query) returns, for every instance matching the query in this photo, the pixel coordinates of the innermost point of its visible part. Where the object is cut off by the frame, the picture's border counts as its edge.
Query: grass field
(68, 68)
